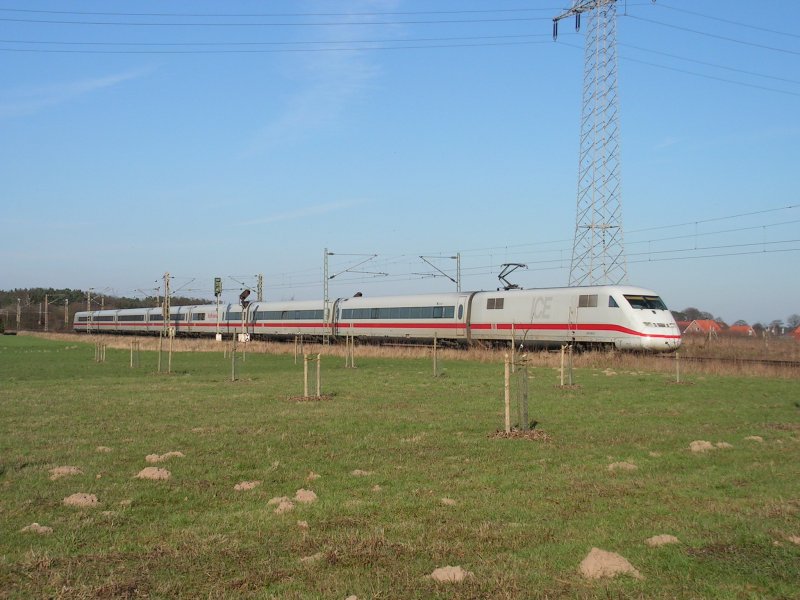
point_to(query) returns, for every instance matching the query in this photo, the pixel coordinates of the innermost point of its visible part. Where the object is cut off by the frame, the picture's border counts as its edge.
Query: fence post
(305, 375)
(677, 367)
(522, 392)
(233, 358)
(319, 363)
(435, 366)
(507, 394)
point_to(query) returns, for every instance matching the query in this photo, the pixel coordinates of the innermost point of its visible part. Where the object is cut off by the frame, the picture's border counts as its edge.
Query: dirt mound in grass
(37, 529)
(312, 476)
(81, 500)
(447, 502)
(622, 466)
(701, 446)
(600, 563)
(59, 472)
(154, 473)
(157, 458)
(305, 496)
(284, 504)
(755, 438)
(450, 574)
(104, 449)
(246, 485)
(661, 540)
(360, 473)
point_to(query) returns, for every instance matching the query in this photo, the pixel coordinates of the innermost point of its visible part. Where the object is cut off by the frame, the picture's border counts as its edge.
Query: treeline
(52, 309)
(776, 326)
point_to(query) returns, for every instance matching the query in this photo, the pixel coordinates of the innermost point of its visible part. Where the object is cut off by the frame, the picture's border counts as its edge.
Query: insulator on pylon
(577, 21)
(555, 29)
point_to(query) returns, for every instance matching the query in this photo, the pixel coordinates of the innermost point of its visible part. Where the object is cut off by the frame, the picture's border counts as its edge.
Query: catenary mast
(598, 252)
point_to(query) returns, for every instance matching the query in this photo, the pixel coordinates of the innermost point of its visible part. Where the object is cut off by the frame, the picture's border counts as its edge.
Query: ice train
(624, 317)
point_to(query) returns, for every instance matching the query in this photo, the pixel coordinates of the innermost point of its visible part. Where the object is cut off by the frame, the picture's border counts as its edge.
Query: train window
(612, 303)
(233, 316)
(177, 316)
(587, 301)
(156, 317)
(130, 318)
(495, 303)
(460, 311)
(198, 316)
(397, 313)
(643, 302)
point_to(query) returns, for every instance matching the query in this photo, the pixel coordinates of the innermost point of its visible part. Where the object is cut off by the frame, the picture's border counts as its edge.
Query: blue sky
(233, 145)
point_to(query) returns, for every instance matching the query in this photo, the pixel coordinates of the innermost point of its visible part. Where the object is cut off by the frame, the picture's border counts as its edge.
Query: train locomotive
(618, 316)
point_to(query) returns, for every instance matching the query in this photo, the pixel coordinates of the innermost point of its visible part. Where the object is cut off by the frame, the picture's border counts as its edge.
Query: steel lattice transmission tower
(598, 252)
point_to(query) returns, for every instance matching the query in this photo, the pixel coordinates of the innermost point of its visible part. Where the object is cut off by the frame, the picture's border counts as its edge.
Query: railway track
(791, 364)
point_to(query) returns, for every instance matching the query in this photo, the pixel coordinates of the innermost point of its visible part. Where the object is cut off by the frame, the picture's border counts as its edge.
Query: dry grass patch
(534, 435)
(360, 473)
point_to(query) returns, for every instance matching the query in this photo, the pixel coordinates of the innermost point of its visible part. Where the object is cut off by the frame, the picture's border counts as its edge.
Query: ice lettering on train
(541, 307)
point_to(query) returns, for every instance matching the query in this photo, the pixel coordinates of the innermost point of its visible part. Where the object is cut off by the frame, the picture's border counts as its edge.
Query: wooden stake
(507, 394)
(233, 358)
(319, 362)
(435, 366)
(305, 376)
(677, 368)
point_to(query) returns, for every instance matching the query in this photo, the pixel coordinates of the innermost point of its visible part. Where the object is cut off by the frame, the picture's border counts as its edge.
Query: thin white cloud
(30, 100)
(304, 213)
(333, 80)
(666, 143)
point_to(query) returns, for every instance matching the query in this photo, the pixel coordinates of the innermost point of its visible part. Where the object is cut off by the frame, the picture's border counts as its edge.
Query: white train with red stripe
(624, 317)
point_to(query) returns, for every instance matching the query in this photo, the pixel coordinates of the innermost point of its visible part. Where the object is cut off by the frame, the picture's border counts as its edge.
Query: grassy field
(431, 487)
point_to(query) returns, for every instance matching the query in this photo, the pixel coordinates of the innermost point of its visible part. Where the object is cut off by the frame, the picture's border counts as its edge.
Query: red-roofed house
(796, 334)
(743, 330)
(703, 326)
(682, 325)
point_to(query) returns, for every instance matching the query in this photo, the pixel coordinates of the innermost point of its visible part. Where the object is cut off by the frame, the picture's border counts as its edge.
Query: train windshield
(643, 302)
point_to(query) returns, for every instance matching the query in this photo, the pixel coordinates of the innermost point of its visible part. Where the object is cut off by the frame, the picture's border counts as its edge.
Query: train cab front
(653, 322)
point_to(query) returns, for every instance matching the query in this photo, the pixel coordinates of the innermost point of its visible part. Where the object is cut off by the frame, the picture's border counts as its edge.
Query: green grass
(526, 513)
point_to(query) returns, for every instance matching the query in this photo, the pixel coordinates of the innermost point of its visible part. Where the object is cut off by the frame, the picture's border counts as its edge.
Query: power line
(282, 14)
(274, 24)
(285, 43)
(729, 21)
(715, 36)
(710, 64)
